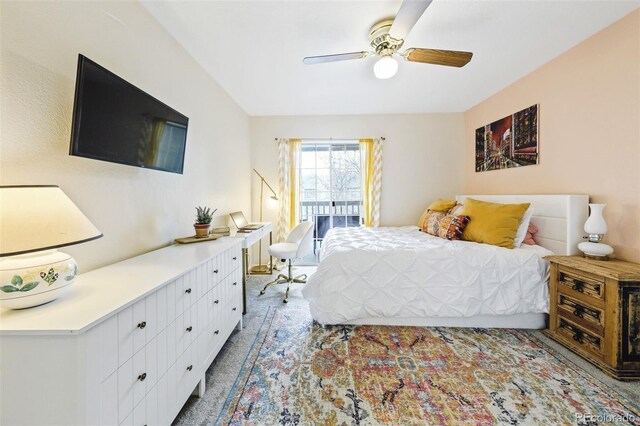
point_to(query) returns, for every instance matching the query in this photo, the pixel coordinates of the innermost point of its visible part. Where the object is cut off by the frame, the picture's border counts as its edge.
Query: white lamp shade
(386, 67)
(596, 224)
(34, 218)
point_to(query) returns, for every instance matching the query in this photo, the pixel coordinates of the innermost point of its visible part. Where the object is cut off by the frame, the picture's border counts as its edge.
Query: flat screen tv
(115, 121)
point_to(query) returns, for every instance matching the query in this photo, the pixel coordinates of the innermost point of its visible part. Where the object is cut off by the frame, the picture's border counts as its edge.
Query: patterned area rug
(298, 373)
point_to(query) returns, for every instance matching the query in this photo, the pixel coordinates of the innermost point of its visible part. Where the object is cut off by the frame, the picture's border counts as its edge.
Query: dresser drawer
(235, 258)
(190, 289)
(109, 401)
(132, 336)
(188, 372)
(573, 282)
(217, 268)
(580, 337)
(185, 291)
(581, 313)
(214, 304)
(190, 326)
(234, 288)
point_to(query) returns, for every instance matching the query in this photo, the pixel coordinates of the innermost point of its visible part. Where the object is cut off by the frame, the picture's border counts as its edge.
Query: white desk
(249, 239)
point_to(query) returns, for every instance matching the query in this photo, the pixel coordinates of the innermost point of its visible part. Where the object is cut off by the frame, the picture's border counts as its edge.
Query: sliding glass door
(330, 187)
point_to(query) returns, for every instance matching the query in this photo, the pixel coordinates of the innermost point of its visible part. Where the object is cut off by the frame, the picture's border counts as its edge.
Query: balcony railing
(345, 214)
(309, 209)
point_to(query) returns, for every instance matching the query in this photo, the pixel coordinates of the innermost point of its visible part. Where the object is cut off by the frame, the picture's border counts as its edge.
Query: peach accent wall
(589, 125)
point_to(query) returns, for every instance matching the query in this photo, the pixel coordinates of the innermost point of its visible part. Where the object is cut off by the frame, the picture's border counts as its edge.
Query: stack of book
(221, 230)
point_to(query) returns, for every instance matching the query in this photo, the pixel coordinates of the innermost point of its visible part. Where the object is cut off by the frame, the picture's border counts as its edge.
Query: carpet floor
(226, 369)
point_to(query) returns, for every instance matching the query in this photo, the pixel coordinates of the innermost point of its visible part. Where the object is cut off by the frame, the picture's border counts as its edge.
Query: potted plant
(204, 215)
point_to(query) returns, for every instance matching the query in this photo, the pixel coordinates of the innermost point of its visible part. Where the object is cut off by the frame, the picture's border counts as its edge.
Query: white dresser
(128, 345)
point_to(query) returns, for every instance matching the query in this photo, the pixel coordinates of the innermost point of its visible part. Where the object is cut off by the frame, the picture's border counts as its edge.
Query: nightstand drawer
(570, 280)
(581, 313)
(579, 337)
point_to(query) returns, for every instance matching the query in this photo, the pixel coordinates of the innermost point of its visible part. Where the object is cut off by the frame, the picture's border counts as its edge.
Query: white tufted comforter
(402, 272)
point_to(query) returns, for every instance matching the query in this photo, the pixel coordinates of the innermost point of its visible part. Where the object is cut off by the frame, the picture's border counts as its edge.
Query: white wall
(422, 157)
(137, 210)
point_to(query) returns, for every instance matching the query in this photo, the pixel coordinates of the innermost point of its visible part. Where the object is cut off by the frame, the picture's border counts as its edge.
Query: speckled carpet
(225, 369)
(299, 373)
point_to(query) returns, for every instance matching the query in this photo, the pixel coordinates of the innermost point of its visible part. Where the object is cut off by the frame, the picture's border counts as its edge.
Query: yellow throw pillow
(441, 205)
(492, 223)
(423, 216)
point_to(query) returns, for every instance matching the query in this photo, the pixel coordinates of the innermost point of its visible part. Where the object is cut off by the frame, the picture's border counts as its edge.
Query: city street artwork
(509, 142)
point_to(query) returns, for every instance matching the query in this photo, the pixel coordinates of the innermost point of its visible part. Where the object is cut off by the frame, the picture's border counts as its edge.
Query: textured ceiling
(254, 49)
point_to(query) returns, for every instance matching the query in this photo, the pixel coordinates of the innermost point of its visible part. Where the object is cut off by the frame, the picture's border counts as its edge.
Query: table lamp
(35, 220)
(595, 227)
(260, 268)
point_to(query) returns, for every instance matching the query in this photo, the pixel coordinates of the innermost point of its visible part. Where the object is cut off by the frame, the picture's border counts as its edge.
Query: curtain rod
(334, 139)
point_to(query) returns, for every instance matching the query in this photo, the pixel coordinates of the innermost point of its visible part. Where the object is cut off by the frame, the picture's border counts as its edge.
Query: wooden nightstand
(595, 312)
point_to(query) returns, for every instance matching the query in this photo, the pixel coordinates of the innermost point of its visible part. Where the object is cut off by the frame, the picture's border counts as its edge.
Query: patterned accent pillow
(444, 225)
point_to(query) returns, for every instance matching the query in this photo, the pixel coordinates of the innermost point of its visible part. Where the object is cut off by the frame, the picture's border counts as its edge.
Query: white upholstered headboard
(559, 218)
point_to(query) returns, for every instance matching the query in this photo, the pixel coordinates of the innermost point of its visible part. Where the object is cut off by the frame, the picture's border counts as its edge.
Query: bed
(401, 276)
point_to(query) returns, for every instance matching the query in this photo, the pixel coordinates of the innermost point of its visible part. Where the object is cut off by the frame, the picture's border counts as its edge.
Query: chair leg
(276, 281)
(301, 279)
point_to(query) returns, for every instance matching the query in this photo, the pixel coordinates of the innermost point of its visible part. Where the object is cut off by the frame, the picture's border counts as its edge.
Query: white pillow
(522, 228)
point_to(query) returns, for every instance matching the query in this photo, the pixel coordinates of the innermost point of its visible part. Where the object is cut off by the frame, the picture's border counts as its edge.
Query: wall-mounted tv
(115, 121)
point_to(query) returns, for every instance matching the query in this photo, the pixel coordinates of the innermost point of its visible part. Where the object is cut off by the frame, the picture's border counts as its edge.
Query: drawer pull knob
(216, 301)
(142, 377)
(215, 271)
(142, 325)
(233, 309)
(577, 336)
(189, 368)
(235, 258)
(189, 329)
(578, 311)
(235, 283)
(188, 291)
(216, 332)
(578, 286)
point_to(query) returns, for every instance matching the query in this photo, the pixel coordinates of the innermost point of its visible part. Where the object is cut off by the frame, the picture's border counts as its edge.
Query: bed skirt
(536, 321)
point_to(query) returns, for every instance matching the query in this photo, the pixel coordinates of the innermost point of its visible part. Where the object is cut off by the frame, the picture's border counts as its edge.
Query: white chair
(297, 245)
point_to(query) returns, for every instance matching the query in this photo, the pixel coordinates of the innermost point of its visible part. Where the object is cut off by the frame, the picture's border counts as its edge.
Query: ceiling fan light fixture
(385, 68)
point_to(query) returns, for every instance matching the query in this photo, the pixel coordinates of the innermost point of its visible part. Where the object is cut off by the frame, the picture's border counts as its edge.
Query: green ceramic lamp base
(36, 278)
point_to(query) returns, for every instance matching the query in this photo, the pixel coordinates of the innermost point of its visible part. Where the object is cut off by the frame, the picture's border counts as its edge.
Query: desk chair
(297, 245)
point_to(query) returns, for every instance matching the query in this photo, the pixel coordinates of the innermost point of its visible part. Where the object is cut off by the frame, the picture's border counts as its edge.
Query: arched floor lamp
(260, 268)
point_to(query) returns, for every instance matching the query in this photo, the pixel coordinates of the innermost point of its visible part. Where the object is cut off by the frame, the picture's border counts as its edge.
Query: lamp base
(599, 251)
(261, 270)
(34, 279)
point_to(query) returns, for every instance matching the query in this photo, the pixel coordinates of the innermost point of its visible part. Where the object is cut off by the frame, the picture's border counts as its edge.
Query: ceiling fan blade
(451, 58)
(309, 60)
(408, 15)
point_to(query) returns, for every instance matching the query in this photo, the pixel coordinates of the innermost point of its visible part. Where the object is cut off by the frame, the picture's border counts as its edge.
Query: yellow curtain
(288, 183)
(295, 148)
(366, 176)
(371, 176)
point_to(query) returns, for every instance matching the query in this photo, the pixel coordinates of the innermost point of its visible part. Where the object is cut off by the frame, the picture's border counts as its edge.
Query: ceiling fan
(386, 37)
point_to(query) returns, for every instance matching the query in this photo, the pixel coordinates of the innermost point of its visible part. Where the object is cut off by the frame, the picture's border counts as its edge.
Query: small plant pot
(202, 230)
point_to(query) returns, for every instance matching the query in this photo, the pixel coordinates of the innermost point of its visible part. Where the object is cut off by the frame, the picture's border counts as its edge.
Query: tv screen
(115, 121)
